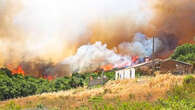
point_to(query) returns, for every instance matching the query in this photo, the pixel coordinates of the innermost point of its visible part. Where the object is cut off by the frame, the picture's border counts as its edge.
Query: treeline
(13, 86)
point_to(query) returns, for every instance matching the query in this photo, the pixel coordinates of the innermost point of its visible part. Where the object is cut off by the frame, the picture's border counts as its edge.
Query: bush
(62, 84)
(189, 79)
(110, 75)
(12, 106)
(189, 83)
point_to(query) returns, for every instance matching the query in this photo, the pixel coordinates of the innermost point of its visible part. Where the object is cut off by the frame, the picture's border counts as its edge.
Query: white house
(125, 73)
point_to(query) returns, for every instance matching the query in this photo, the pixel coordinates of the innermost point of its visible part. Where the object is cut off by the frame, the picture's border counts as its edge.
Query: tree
(185, 53)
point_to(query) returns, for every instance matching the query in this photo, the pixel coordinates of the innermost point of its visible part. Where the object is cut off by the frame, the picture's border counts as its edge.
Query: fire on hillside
(19, 70)
(69, 39)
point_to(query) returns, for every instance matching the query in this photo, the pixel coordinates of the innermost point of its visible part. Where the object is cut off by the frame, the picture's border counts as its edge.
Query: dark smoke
(169, 41)
(40, 68)
(177, 18)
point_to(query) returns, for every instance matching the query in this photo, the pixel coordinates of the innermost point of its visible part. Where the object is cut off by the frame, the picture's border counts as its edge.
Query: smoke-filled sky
(43, 27)
(53, 30)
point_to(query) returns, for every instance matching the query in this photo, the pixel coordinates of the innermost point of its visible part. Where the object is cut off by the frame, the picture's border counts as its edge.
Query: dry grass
(146, 88)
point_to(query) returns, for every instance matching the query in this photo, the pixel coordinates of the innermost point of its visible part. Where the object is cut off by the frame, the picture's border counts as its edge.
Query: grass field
(166, 92)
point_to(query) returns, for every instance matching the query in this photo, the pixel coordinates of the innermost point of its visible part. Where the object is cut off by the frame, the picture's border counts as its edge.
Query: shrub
(110, 75)
(189, 83)
(12, 106)
(189, 79)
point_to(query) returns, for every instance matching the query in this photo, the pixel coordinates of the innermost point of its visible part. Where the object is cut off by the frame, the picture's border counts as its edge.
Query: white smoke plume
(140, 46)
(92, 56)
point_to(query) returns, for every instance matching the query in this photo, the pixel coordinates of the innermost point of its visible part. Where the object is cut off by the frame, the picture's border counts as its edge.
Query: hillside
(143, 89)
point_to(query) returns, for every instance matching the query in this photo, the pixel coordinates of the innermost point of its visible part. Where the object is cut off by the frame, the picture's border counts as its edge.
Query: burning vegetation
(57, 45)
(17, 70)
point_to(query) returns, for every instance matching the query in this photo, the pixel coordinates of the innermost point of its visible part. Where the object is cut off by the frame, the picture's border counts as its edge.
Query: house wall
(167, 66)
(175, 67)
(125, 74)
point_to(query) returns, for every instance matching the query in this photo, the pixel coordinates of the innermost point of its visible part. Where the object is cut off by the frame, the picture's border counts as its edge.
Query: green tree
(185, 53)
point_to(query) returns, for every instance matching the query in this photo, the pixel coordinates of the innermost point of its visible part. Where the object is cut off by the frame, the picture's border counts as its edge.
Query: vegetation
(13, 86)
(185, 53)
(178, 98)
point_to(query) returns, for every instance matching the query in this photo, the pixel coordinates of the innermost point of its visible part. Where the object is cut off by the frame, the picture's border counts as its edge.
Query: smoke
(40, 34)
(34, 28)
(91, 57)
(176, 18)
(140, 46)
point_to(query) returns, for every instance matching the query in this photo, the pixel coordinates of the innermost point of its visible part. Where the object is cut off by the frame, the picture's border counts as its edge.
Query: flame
(134, 59)
(17, 70)
(107, 67)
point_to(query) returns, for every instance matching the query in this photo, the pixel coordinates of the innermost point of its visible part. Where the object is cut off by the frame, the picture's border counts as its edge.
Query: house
(126, 73)
(149, 67)
(175, 67)
(164, 66)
